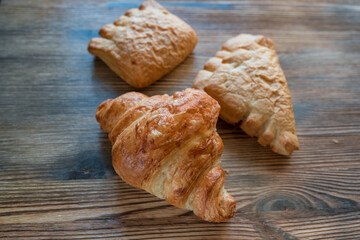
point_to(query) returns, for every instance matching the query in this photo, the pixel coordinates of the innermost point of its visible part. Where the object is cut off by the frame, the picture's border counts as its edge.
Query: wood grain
(56, 178)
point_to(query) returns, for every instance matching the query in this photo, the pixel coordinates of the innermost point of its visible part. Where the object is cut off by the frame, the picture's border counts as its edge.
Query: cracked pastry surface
(144, 44)
(246, 78)
(168, 146)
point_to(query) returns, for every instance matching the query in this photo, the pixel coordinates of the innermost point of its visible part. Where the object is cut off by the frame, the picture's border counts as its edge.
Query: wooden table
(56, 177)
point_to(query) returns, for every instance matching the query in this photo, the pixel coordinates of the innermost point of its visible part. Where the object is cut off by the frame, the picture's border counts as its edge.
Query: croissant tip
(228, 206)
(100, 108)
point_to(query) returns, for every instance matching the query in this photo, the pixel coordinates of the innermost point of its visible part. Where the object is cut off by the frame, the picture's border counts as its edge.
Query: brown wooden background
(56, 178)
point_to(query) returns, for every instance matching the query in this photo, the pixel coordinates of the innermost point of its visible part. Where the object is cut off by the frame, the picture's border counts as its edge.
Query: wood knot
(281, 202)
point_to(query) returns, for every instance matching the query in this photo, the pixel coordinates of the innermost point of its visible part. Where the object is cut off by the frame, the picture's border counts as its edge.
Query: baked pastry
(144, 44)
(169, 147)
(246, 79)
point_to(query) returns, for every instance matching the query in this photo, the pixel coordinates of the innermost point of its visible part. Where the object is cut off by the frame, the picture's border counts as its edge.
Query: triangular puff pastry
(169, 147)
(246, 79)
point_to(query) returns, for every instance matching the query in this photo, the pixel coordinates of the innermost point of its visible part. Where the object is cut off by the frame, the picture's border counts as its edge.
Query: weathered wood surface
(56, 178)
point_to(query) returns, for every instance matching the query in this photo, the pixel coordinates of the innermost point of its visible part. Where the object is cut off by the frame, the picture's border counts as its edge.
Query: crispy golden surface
(169, 147)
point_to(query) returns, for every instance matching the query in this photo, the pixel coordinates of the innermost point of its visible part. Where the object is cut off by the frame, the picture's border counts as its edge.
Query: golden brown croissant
(169, 147)
(246, 78)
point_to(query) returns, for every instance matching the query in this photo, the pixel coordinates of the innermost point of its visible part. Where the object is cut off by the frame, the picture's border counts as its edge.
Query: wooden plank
(56, 178)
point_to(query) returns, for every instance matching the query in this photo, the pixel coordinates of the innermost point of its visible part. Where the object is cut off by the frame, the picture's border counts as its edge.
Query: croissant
(169, 147)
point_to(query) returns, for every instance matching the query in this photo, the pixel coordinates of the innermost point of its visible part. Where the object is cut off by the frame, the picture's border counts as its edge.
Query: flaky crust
(169, 147)
(144, 44)
(246, 79)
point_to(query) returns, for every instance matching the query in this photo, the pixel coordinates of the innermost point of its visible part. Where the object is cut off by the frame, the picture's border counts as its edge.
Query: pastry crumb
(335, 141)
(226, 171)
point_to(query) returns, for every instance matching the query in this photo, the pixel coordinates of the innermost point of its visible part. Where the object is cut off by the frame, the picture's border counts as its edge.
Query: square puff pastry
(144, 44)
(246, 79)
